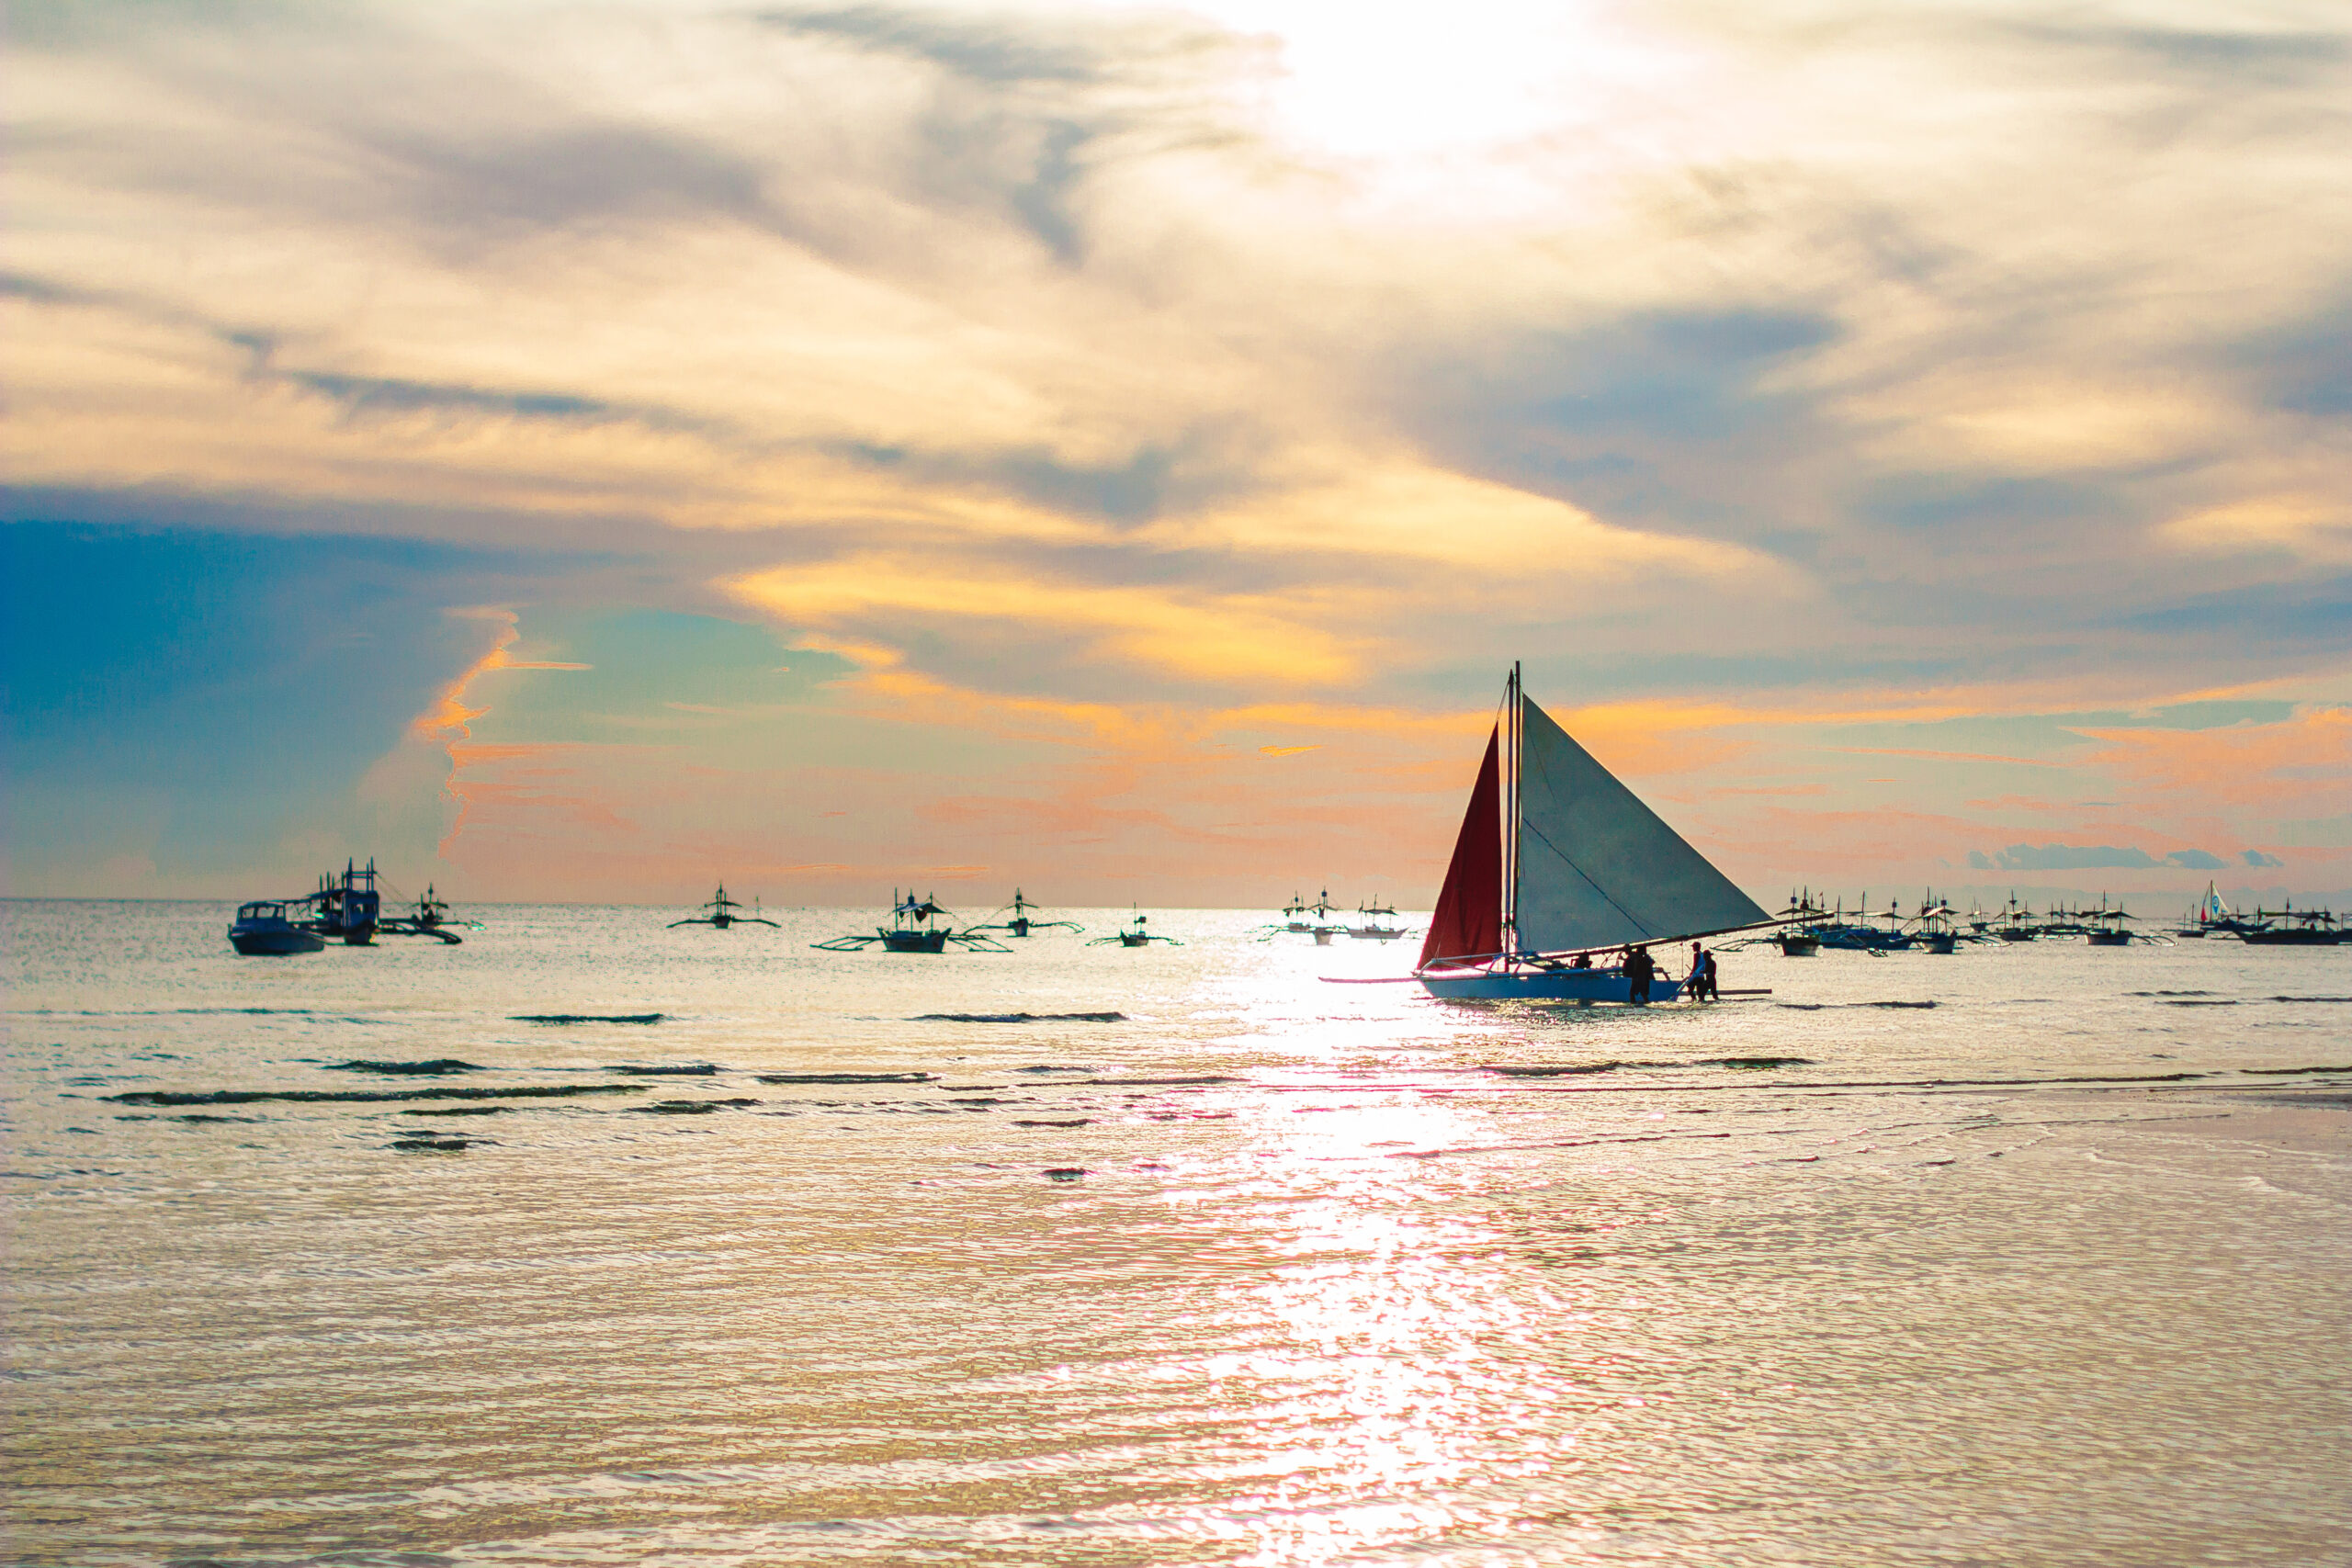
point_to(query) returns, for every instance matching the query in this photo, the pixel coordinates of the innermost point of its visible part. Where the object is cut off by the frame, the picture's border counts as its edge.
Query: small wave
(2286, 1072)
(588, 1017)
(1162, 1083)
(1817, 1007)
(1080, 1122)
(2190, 1002)
(1019, 1018)
(2170, 993)
(680, 1070)
(432, 1110)
(848, 1077)
(360, 1096)
(1754, 1062)
(434, 1146)
(1050, 1069)
(1575, 1070)
(434, 1068)
(2312, 999)
(685, 1107)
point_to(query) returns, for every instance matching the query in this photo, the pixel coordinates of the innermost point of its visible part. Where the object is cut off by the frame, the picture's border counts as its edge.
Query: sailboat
(1557, 862)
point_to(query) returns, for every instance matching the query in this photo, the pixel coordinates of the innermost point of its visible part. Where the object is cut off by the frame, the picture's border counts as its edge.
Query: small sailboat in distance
(722, 912)
(1558, 860)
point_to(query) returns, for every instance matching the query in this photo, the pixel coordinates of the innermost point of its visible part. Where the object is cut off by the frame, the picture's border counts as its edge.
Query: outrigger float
(722, 912)
(1556, 862)
(917, 925)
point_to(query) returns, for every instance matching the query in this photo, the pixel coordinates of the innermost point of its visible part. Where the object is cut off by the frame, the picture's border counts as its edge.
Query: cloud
(2255, 857)
(2196, 859)
(2070, 857)
(1103, 372)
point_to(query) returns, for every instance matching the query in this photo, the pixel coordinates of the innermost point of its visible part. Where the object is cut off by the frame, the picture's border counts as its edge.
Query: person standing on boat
(1708, 991)
(1695, 988)
(1640, 970)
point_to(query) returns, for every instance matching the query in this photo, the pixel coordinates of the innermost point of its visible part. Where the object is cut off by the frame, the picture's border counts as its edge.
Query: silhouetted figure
(1640, 970)
(1707, 991)
(1581, 961)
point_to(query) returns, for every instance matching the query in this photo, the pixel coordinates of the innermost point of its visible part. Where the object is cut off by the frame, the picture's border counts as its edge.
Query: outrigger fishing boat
(1019, 922)
(917, 925)
(1558, 862)
(1133, 934)
(1376, 923)
(722, 912)
(2302, 927)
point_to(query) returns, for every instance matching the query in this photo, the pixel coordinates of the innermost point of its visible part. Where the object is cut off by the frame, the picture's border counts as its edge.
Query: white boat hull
(1544, 985)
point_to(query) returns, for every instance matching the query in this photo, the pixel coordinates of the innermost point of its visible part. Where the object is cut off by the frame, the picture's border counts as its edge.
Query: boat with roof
(263, 929)
(917, 925)
(1375, 922)
(2291, 927)
(1557, 865)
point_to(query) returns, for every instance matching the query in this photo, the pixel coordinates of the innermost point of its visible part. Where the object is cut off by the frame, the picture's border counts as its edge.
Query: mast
(1512, 698)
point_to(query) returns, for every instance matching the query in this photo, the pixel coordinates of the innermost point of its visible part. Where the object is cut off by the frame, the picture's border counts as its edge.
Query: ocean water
(1226, 1264)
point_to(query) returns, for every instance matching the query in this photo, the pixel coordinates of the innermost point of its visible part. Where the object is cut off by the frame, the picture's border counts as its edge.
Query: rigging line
(1634, 920)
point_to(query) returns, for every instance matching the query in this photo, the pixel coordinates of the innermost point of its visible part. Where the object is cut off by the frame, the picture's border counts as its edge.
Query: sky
(590, 451)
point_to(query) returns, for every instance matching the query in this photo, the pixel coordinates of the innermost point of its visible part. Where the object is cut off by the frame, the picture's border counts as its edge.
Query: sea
(592, 1241)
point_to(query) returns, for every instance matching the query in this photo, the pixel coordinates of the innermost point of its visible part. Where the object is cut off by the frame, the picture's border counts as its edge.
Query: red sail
(1468, 924)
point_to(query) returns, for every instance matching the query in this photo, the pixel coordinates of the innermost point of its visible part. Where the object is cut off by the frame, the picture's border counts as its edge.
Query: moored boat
(1557, 865)
(1136, 932)
(917, 925)
(1019, 919)
(263, 931)
(722, 912)
(2291, 927)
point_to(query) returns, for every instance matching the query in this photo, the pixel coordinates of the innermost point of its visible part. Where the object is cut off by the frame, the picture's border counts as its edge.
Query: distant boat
(2209, 913)
(1558, 860)
(1019, 921)
(722, 912)
(2104, 927)
(917, 925)
(261, 931)
(2302, 927)
(1376, 923)
(1134, 934)
(346, 907)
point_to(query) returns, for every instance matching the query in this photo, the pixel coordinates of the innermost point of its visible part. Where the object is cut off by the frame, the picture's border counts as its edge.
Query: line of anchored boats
(1936, 927)
(1560, 882)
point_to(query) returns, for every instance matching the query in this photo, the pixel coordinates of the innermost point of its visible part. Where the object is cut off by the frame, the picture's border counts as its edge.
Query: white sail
(1596, 868)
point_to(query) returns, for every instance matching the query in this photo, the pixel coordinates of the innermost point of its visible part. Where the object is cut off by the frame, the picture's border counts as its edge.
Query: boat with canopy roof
(1558, 864)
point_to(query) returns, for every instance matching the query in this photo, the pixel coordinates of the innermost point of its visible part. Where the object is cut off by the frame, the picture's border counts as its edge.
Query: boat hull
(2109, 939)
(2293, 938)
(1795, 946)
(275, 943)
(1544, 985)
(913, 941)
